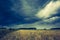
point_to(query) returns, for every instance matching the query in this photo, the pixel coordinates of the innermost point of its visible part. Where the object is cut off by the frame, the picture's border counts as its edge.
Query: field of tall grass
(33, 35)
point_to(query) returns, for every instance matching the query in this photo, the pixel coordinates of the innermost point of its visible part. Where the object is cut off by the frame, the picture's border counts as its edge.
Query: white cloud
(51, 19)
(37, 25)
(49, 10)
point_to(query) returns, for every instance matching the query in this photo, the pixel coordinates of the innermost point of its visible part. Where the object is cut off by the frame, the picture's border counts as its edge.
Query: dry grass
(33, 35)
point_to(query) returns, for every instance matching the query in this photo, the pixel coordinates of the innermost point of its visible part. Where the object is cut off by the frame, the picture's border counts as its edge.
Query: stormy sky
(30, 13)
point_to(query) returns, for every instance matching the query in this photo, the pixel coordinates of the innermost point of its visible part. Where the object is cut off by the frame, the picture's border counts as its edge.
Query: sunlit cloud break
(49, 10)
(52, 19)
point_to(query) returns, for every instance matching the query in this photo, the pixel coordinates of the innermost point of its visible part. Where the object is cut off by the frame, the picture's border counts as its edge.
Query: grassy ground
(33, 35)
(3, 32)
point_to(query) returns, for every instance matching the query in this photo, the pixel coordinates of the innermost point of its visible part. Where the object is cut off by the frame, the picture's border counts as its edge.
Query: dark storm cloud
(22, 13)
(16, 16)
(9, 16)
(6, 15)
